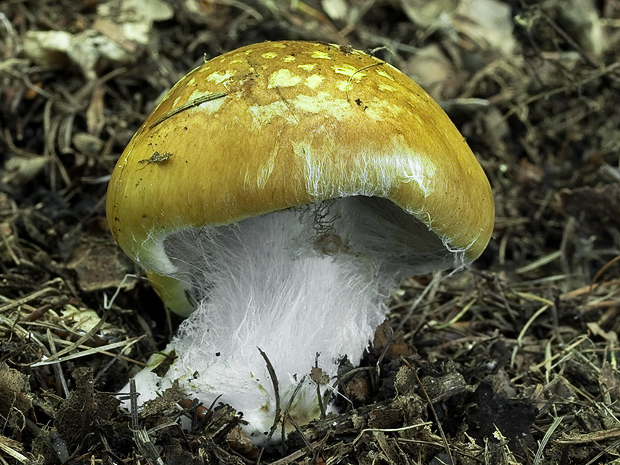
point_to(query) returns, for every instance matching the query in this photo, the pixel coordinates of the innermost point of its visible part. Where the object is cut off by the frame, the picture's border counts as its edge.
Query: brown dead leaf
(592, 205)
(396, 345)
(14, 392)
(99, 264)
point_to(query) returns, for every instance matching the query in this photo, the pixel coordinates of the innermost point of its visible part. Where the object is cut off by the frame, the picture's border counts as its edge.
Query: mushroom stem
(292, 283)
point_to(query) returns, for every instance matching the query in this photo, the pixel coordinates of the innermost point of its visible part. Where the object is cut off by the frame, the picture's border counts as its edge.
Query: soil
(512, 361)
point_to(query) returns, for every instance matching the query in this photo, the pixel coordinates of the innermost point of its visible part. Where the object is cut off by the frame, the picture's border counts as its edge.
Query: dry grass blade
(88, 351)
(537, 317)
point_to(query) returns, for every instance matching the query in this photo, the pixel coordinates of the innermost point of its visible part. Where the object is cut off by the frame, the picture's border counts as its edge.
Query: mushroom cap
(277, 125)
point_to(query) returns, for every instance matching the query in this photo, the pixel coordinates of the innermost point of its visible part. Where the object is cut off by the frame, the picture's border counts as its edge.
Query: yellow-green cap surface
(280, 124)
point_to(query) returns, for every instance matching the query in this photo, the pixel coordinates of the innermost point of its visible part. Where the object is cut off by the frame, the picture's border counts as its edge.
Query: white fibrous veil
(307, 286)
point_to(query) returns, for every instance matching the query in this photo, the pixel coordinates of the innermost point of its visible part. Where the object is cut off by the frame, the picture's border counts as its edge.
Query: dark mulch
(512, 361)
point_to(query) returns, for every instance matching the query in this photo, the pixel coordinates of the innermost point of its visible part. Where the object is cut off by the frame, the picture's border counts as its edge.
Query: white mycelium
(293, 284)
(276, 127)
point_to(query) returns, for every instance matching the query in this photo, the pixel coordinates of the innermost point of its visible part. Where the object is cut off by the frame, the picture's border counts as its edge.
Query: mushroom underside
(307, 286)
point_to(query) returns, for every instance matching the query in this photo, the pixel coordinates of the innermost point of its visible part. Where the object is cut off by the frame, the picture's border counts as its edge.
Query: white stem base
(295, 284)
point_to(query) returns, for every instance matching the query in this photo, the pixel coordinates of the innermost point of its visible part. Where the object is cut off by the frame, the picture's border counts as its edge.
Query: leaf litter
(513, 361)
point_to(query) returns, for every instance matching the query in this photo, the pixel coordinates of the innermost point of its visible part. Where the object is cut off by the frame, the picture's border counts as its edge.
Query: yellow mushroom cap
(276, 125)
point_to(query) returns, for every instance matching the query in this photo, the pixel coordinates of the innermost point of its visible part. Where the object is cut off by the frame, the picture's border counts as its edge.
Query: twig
(276, 391)
(430, 404)
(193, 103)
(140, 435)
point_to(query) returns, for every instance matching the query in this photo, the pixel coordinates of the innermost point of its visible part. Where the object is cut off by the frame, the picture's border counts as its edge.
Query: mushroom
(276, 197)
